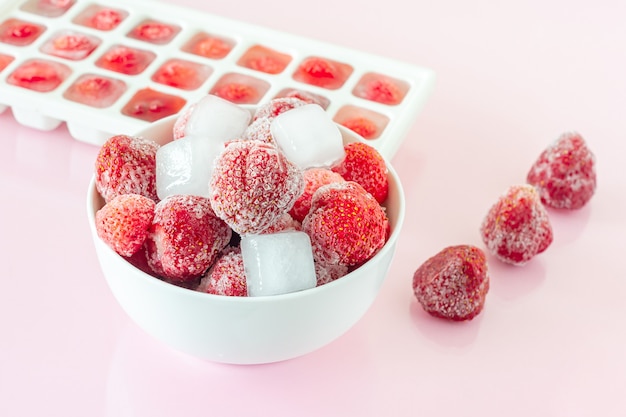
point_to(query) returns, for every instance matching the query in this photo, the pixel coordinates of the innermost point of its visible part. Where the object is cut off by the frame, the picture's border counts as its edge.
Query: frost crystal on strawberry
(180, 125)
(253, 185)
(227, 276)
(363, 164)
(185, 238)
(346, 224)
(126, 165)
(314, 178)
(282, 224)
(259, 130)
(124, 221)
(328, 273)
(277, 106)
(453, 284)
(517, 226)
(565, 173)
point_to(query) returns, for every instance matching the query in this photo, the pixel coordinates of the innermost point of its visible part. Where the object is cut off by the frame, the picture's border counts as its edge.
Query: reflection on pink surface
(154, 381)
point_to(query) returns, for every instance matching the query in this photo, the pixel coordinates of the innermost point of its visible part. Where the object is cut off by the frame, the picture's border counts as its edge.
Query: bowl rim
(94, 198)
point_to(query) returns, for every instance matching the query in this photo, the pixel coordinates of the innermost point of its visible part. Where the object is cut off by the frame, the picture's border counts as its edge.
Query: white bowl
(246, 330)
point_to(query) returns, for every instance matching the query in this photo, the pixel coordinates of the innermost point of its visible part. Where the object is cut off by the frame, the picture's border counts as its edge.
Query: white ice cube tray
(47, 110)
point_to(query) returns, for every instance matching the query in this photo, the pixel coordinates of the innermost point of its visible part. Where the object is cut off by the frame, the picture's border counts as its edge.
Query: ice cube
(278, 263)
(308, 136)
(184, 166)
(217, 119)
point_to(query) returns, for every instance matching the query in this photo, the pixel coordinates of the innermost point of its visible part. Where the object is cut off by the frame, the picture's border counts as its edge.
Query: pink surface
(552, 338)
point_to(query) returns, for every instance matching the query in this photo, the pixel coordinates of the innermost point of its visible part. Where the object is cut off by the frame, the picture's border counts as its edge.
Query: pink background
(552, 338)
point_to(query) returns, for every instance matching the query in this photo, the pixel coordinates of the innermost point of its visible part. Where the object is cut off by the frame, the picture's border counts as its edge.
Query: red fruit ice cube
(39, 75)
(20, 33)
(151, 105)
(322, 72)
(125, 60)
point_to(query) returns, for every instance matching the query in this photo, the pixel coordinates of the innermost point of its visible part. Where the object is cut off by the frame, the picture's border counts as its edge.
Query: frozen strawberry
(517, 226)
(277, 106)
(185, 238)
(346, 224)
(124, 221)
(180, 124)
(565, 173)
(328, 273)
(227, 276)
(363, 164)
(314, 178)
(253, 185)
(283, 223)
(453, 284)
(126, 165)
(259, 130)
(307, 97)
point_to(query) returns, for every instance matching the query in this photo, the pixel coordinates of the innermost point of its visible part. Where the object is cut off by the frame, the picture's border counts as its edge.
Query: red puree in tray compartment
(264, 59)
(367, 123)
(154, 32)
(101, 18)
(5, 60)
(70, 45)
(48, 8)
(209, 46)
(182, 74)
(240, 89)
(381, 89)
(95, 90)
(151, 105)
(322, 72)
(19, 32)
(39, 75)
(125, 60)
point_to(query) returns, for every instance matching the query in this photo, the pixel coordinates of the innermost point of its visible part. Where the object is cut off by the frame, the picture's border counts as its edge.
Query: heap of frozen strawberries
(453, 284)
(254, 188)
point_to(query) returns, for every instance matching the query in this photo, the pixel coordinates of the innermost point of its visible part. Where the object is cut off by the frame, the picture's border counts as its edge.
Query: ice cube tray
(112, 68)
